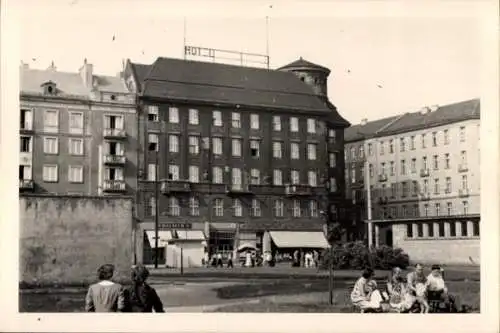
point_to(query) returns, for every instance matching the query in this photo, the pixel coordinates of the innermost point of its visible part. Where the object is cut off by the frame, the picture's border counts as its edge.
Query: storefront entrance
(221, 242)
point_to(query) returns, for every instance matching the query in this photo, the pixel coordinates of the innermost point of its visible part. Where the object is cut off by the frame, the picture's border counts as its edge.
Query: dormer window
(49, 88)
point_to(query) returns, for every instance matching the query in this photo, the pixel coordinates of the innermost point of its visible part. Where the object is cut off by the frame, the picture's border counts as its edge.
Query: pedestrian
(230, 260)
(316, 259)
(295, 262)
(248, 259)
(105, 295)
(219, 260)
(206, 259)
(141, 297)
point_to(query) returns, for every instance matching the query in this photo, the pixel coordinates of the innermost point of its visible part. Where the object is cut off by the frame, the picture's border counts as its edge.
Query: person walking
(230, 260)
(106, 295)
(141, 297)
(219, 260)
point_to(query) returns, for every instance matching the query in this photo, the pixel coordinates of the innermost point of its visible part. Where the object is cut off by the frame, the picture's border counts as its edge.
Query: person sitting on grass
(400, 298)
(141, 297)
(106, 295)
(437, 290)
(365, 294)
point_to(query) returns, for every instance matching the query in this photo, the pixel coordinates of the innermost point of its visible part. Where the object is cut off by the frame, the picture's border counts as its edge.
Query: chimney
(52, 67)
(86, 72)
(364, 121)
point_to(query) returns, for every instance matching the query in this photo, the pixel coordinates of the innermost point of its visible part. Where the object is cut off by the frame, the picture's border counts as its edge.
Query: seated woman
(437, 290)
(400, 298)
(365, 294)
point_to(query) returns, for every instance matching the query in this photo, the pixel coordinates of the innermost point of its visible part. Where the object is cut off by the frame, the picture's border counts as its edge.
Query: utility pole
(368, 204)
(157, 207)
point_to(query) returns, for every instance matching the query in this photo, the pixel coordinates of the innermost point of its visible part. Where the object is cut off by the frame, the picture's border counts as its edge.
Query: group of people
(216, 260)
(412, 294)
(308, 259)
(109, 296)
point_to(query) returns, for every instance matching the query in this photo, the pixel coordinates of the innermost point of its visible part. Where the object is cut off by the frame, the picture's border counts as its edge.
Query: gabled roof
(195, 81)
(304, 64)
(413, 121)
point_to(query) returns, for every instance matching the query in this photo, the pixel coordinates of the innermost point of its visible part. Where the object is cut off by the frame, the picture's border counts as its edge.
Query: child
(421, 289)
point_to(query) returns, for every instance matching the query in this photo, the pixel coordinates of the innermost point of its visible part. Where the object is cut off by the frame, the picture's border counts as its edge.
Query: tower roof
(304, 64)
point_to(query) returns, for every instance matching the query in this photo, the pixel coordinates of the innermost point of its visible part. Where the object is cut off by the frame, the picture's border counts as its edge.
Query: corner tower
(314, 75)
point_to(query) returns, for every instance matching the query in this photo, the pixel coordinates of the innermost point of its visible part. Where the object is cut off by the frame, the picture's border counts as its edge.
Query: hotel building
(423, 173)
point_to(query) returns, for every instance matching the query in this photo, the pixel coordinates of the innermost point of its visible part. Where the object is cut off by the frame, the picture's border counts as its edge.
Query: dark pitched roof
(413, 121)
(195, 81)
(304, 64)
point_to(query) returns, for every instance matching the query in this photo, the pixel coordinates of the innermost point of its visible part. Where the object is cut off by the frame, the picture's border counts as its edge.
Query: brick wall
(65, 239)
(442, 251)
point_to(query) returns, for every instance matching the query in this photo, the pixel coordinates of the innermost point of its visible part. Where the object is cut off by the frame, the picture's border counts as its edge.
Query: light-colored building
(423, 173)
(77, 133)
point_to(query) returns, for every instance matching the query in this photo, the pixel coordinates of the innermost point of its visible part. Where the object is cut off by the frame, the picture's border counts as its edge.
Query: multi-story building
(77, 133)
(243, 155)
(423, 173)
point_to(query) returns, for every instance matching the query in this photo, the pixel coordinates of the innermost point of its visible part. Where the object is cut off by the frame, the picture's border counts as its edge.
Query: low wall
(63, 240)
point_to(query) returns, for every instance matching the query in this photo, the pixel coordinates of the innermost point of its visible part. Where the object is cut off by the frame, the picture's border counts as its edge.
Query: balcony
(26, 127)
(463, 168)
(424, 173)
(114, 159)
(114, 186)
(298, 190)
(425, 196)
(382, 178)
(464, 192)
(267, 189)
(238, 189)
(26, 184)
(383, 200)
(175, 186)
(114, 133)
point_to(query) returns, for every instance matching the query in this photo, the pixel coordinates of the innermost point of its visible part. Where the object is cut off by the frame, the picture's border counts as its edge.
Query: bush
(356, 255)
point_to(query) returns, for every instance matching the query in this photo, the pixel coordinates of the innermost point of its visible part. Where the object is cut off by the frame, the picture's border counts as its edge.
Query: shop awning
(299, 239)
(247, 245)
(194, 235)
(163, 237)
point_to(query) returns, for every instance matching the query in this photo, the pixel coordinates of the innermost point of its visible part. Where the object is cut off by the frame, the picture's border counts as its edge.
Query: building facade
(423, 173)
(77, 133)
(247, 157)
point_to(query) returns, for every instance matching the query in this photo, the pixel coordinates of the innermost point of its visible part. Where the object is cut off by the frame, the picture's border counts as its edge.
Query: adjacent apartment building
(423, 173)
(77, 133)
(240, 157)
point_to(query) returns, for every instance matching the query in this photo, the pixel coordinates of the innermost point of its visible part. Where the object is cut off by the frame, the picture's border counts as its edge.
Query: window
(353, 153)
(465, 182)
(381, 147)
(393, 168)
(403, 167)
(152, 142)
(416, 210)
(404, 211)
(313, 208)
(446, 137)
(296, 208)
(218, 207)
(430, 229)
(463, 229)
(194, 118)
(393, 212)
(370, 169)
(426, 186)
(404, 187)
(465, 206)
(453, 229)
(26, 119)
(217, 146)
(449, 208)
(255, 176)
(237, 208)
(279, 207)
(413, 165)
(311, 126)
(441, 229)
(447, 161)
(236, 178)
(277, 149)
(434, 139)
(426, 210)
(311, 151)
(462, 134)
(218, 176)
(463, 158)
(236, 147)
(114, 148)
(332, 158)
(435, 162)
(475, 229)
(50, 173)
(436, 186)
(76, 122)
(75, 174)
(256, 211)
(312, 178)
(294, 151)
(333, 185)
(151, 207)
(25, 172)
(391, 147)
(415, 188)
(173, 143)
(382, 168)
(362, 172)
(438, 208)
(50, 145)
(254, 121)
(51, 121)
(424, 163)
(194, 206)
(151, 171)
(412, 142)
(152, 113)
(276, 123)
(114, 174)
(353, 173)
(361, 152)
(194, 174)
(294, 177)
(420, 230)
(402, 144)
(26, 144)
(217, 118)
(409, 230)
(236, 120)
(254, 148)
(173, 115)
(424, 143)
(173, 172)
(294, 124)
(113, 122)
(370, 149)
(448, 185)
(332, 136)
(194, 145)
(277, 177)
(394, 190)
(173, 206)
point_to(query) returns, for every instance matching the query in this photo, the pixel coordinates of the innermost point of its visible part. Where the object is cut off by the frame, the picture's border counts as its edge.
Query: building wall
(65, 239)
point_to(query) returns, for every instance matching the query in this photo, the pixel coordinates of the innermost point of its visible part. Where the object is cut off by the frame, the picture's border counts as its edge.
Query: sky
(386, 58)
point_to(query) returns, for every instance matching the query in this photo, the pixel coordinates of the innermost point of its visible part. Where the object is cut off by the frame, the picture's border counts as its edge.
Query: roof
(304, 64)
(196, 81)
(413, 121)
